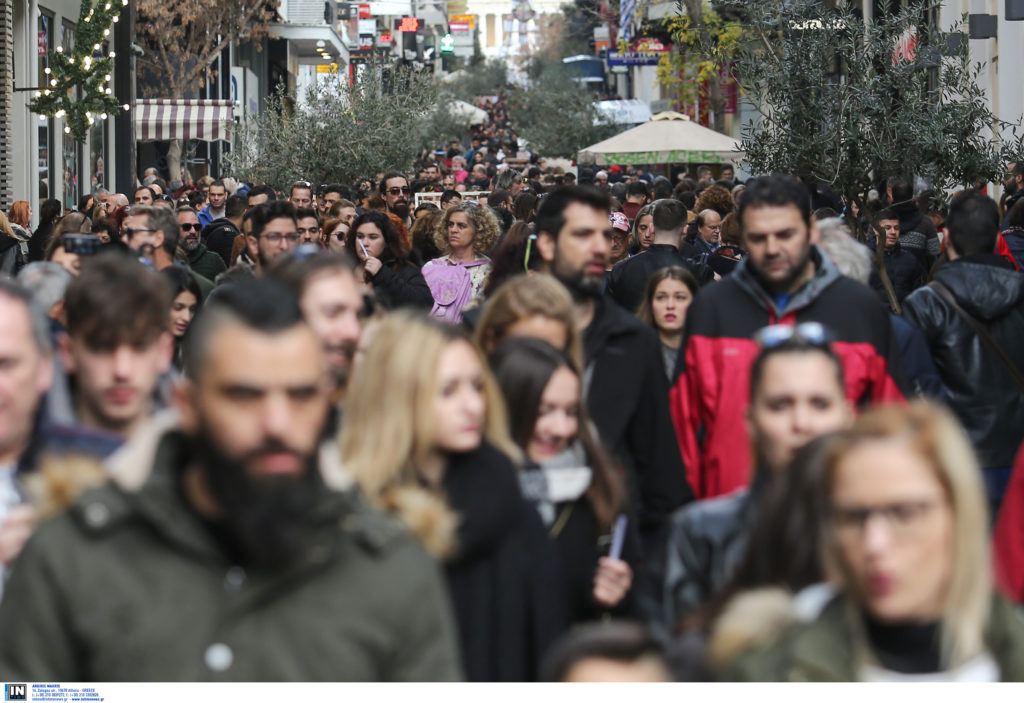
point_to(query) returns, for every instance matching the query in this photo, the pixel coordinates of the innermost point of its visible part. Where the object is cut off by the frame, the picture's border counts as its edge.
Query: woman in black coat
(568, 478)
(373, 240)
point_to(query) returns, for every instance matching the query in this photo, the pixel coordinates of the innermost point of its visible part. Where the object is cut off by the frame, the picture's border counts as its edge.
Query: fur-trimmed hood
(61, 479)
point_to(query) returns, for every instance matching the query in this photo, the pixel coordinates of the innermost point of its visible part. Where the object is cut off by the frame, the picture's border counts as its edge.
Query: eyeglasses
(132, 231)
(814, 333)
(404, 190)
(900, 518)
(186, 226)
(619, 238)
(275, 237)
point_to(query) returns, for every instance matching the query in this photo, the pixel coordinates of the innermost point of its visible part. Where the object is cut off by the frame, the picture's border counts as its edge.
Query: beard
(265, 517)
(189, 244)
(401, 209)
(580, 284)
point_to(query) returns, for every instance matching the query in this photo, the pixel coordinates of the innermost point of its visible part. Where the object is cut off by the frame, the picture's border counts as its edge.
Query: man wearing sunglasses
(153, 234)
(394, 188)
(200, 259)
(784, 280)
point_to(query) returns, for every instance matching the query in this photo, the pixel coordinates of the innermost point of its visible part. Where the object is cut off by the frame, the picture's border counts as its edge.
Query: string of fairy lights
(76, 85)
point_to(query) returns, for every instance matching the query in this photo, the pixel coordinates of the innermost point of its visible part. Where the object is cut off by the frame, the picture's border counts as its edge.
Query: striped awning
(206, 120)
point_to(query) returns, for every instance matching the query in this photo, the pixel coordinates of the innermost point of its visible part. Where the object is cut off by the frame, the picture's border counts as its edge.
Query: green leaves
(339, 133)
(556, 115)
(77, 86)
(854, 102)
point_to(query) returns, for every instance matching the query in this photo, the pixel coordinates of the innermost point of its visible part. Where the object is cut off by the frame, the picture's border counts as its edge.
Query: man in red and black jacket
(784, 280)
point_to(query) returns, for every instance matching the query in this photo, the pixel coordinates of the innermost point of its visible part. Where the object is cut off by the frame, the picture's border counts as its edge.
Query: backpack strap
(986, 338)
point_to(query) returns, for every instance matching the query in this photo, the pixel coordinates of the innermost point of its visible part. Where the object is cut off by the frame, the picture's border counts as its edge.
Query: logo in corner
(15, 692)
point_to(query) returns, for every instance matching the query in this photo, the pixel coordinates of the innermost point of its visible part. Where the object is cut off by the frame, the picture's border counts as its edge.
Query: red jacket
(712, 392)
(1008, 540)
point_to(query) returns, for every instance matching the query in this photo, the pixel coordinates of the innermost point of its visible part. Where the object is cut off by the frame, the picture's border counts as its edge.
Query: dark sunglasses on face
(191, 225)
(404, 190)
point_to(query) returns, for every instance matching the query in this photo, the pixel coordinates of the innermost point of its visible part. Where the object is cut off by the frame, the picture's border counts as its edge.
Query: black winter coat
(982, 393)
(906, 271)
(628, 279)
(706, 542)
(401, 285)
(627, 396)
(1015, 241)
(504, 582)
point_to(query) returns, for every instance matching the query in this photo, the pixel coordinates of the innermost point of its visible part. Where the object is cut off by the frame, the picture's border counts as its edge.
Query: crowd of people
(539, 425)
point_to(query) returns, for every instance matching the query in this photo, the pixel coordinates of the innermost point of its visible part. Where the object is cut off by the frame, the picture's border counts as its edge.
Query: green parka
(823, 650)
(128, 585)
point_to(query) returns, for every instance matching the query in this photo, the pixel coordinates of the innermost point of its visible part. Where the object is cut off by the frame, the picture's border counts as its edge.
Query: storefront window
(46, 165)
(70, 158)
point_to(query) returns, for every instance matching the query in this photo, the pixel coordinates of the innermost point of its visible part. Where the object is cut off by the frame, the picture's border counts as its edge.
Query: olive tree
(853, 101)
(339, 133)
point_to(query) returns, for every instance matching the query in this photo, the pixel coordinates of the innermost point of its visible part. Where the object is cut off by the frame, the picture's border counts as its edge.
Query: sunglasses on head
(813, 333)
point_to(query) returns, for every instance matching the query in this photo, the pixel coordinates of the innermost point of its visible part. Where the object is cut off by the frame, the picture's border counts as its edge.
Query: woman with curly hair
(465, 235)
(714, 198)
(384, 259)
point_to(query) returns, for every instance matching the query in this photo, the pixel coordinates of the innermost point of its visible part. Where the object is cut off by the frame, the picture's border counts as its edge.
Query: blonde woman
(426, 437)
(906, 537)
(535, 305)
(465, 236)
(643, 230)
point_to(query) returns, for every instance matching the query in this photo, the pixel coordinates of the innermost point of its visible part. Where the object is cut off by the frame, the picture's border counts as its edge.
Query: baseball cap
(619, 221)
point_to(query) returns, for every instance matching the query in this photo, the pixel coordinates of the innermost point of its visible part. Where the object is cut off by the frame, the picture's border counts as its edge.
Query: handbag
(987, 339)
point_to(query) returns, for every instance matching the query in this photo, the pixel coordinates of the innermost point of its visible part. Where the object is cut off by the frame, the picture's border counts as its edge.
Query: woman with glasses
(335, 232)
(384, 260)
(465, 235)
(905, 529)
(426, 437)
(667, 297)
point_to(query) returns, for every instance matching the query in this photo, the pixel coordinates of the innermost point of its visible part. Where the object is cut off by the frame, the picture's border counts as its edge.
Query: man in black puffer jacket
(983, 394)
(917, 231)
(906, 271)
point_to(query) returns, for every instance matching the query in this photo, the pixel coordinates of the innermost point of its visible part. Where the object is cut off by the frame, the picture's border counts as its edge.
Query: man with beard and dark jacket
(628, 280)
(796, 395)
(200, 259)
(625, 387)
(982, 392)
(228, 543)
(1014, 185)
(917, 231)
(784, 280)
(906, 271)
(394, 189)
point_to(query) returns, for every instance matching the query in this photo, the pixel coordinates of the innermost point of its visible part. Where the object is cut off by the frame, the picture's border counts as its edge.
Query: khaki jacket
(128, 585)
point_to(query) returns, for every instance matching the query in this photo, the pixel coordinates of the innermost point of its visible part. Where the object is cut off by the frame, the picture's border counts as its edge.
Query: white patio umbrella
(666, 139)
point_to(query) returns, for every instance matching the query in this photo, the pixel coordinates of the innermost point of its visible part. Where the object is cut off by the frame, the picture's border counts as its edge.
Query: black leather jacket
(981, 391)
(706, 542)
